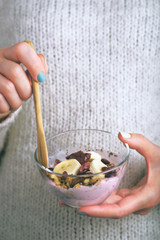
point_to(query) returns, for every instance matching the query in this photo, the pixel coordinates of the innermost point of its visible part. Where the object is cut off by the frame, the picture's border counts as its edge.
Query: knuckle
(152, 203)
(16, 105)
(2, 54)
(21, 47)
(119, 214)
(2, 61)
(16, 70)
(9, 87)
(141, 136)
(1, 99)
(4, 107)
(36, 65)
(26, 94)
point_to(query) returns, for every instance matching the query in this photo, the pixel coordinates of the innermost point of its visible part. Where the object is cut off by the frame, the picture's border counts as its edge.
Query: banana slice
(71, 166)
(96, 166)
(95, 156)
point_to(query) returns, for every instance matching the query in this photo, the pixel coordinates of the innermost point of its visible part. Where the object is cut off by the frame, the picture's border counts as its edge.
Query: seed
(105, 161)
(104, 168)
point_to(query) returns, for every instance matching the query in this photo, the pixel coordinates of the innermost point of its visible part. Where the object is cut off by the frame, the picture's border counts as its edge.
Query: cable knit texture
(104, 70)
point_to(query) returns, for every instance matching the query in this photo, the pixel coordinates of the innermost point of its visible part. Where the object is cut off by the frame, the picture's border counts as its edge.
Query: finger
(42, 58)
(140, 183)
(113, 198)
(4, 106)
(150, 151)
(7, 89)
(124, 192)
(140, 143)
(143, 211)
(23, 53)
(124, 207)
(3, 116)
(16, 74)
(29, 77)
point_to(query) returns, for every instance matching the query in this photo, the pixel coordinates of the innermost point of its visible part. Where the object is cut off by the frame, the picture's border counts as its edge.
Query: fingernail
(43, 57)
(41, 77)
(125, 135)
(82, 213)
(61, 203)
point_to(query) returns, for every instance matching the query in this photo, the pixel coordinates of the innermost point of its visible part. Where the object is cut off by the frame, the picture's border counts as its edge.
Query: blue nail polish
(82, 213)
(41, 77)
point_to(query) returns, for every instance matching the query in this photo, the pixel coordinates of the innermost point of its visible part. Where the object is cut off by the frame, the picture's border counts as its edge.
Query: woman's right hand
(15, 82)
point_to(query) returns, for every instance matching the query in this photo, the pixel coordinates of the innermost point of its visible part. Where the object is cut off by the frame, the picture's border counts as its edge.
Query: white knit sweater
(104, 72)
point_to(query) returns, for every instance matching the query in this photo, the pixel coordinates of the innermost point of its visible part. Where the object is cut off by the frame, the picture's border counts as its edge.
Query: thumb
(146, 148)
(138, 142)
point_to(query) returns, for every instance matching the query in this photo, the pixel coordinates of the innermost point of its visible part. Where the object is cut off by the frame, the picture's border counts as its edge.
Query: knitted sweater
(104, 68)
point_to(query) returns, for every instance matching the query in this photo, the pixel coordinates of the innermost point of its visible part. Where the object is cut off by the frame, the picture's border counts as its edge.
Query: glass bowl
(86, 191)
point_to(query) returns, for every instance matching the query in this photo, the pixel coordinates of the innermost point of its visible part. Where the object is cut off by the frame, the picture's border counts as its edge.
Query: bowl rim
(82, 175)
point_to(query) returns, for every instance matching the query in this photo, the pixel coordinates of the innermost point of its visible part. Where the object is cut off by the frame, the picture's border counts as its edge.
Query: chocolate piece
(80, 156)
(84, 160)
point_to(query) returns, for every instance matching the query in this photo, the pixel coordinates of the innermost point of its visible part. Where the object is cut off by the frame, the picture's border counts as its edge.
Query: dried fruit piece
(87, 157)
(84, 168)
(57, 161)
(82, 163)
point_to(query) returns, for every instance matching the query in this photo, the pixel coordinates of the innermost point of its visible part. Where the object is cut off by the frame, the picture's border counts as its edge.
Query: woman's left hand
(141, 198)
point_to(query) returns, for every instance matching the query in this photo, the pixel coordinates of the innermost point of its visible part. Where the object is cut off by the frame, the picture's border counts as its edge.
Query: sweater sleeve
(5, 125)
(7, 39)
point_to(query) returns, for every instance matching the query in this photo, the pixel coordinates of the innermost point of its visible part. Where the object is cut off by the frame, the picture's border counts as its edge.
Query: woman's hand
(141, 198)
(15, 82)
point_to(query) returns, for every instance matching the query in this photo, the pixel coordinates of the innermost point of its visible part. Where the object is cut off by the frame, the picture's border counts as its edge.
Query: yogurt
(83, 195)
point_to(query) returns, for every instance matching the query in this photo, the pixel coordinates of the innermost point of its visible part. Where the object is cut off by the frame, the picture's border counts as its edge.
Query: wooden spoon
(41, 142)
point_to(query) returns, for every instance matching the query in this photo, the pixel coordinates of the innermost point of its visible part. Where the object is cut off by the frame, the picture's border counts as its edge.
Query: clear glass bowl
(106, 144)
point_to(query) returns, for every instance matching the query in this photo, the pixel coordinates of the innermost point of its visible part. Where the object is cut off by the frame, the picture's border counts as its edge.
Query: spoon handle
(41, 142)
